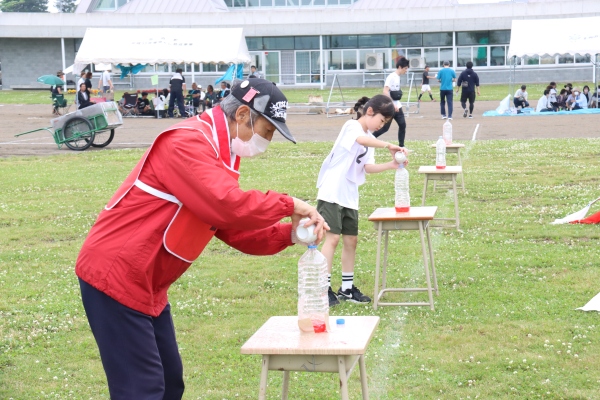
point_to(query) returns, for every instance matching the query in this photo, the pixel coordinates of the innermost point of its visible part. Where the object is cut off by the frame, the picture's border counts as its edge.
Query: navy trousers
(399, 118)
(176, 96)
(139, 353)
(446, 96)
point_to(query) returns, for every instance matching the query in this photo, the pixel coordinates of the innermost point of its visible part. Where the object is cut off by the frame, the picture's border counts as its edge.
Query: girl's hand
(394, 149)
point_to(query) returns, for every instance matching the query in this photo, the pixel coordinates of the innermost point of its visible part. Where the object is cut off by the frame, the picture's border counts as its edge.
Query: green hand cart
(91, 126)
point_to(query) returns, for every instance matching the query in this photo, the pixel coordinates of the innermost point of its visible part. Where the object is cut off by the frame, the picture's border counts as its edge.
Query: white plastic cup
(400, 157)
(306, 234)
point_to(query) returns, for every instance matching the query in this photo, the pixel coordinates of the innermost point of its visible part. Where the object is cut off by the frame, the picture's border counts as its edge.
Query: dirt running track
(427, 125)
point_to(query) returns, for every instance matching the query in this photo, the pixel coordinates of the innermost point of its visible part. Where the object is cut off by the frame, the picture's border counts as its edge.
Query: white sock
(347, 280)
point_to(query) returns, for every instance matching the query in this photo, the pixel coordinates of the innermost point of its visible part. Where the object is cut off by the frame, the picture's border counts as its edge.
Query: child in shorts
(342, 172)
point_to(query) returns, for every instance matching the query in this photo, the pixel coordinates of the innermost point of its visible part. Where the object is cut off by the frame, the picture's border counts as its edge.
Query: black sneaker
(354, 295)
(465, 113)
(333, 300)
(470, 117)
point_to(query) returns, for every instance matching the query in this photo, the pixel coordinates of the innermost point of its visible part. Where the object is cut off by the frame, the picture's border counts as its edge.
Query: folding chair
(59, 103)
(190, 110)
(129, 107)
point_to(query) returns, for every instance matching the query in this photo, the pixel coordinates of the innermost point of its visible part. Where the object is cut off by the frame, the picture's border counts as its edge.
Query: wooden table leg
(377, 265)
(426, 264)
(343, 377)
(431, 260)
(363, 377)
(385, 260)
(455, 201)
(424, 190)
(286, 385)
(462, 175)
(262, 394)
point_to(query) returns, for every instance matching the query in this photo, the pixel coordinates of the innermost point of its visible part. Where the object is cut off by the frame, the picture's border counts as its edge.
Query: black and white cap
(264, 97)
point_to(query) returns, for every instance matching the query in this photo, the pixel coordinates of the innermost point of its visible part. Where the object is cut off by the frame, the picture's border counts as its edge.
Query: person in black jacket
(88, 80)
(469, 82)
(83, 97)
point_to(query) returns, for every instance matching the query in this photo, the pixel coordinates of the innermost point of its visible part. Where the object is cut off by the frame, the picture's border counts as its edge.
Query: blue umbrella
(51, 80)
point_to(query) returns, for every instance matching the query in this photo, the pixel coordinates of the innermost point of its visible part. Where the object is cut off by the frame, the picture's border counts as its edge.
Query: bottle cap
(340, 321)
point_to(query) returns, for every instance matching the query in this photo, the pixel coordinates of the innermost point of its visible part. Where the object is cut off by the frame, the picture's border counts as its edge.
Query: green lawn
(504, 324)
(488, 92)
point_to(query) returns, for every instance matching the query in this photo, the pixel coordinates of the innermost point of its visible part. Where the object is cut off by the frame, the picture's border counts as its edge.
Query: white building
(306, 42)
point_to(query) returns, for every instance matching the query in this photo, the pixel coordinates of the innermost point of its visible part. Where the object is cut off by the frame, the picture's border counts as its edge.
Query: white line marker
(475, 133)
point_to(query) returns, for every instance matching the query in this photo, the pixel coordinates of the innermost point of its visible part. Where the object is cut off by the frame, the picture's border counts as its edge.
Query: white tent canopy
(162, 45)
(555, 36)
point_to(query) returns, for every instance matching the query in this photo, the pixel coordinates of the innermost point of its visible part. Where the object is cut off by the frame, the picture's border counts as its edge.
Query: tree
(65, 6)
(24, 6)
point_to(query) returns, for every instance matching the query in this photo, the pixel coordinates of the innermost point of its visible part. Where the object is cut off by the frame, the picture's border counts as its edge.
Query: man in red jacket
(182, 192)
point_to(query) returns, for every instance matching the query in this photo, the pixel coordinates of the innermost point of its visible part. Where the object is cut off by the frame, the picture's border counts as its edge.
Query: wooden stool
(454, 148)
(285, 348)
(447, 174)
(387, 219)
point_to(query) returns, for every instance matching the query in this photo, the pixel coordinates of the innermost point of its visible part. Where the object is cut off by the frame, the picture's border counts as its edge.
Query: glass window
(239, 3)
(535, 60)
(121, 3)
(437, 39)
(209, 67)
(266, 3)
(480, 56)
(463, 55)
(345, 41)
(396, 54)
(583, 59)
(345, 1)
(278, 43)
(332, 2)
(408, 40)
(500, 37)
(147, 68)
(302, 66)
(566, 59)
(175, 66)
(319, 2)
(411, 53)
(498, 55)
(349, 59)
(106, 5)
(548, 60)
(292, 2)
(306, 42)
(467, 38)
(373, 41)
(335, 59)
(221, 67)
(253, 3)
(432, 58)
(446, 55)
(280, 3)
(162, 67)
(254, 43)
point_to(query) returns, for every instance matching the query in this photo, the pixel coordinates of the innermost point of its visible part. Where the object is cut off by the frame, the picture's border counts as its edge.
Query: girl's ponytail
(381, 104)
(359, 107)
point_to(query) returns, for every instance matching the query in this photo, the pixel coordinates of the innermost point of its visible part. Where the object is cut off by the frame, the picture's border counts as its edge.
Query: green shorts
(340, 219)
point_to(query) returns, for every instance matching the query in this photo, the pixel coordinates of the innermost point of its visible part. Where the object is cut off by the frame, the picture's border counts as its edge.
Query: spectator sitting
(552, 97)
(594, 99)
(159, 104)
(576, 100)
(197, 96)
(224, 91)
(569, 88)
(122, 106)
(586, 93)
(143, 105)
(83, 97)
(210, 97)
(520, 99)
(561, 100)
(254, 73)
(543, 104)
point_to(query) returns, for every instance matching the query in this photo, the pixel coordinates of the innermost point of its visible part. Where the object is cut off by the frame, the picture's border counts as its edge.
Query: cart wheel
(78, 133)
(103, 138)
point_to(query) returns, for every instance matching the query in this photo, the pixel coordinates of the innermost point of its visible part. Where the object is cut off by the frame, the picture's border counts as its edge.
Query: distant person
(569, 88)
(447, 77)
(224, 92)
(105, 83)
(391, 88)
(210, 97)
(158, 103)
(520, 98)
(468, 81)
(143, 105)
(83, 97)
(425, 84)
(197, 96)
(552, 96)
(57, 90)
(543, 104)
(561, 100)
(177, 86)
(79, 82)
(88, 80)
(586, 93)
(576, 100)
(254, 73)
(594, 98)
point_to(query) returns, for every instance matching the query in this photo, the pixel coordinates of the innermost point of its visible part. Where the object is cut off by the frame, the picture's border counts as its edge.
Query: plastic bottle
(440, 154)
(402, 194)
(447, 132)
(313, 303)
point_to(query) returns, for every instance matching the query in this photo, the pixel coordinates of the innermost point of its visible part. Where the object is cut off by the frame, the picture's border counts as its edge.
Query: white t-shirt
(520, 93)
(105, 78)
(343, 171)
(542, 104)
(79, 82)
(393, 82)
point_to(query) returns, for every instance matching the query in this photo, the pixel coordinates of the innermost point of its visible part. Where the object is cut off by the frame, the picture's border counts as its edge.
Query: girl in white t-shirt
(342, 172)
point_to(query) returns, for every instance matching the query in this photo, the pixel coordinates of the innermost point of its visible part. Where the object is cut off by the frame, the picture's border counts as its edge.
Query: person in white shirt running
(391, 89)
(342, 172)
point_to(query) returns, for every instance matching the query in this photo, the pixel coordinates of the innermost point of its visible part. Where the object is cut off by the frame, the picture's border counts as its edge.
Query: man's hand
(302, 210)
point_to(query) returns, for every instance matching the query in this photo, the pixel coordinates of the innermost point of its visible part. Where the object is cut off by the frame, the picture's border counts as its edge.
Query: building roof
(172, 6)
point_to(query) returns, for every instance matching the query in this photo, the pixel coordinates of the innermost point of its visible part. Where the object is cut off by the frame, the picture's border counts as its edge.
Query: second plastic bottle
(402, 202)
(447, 132)
(313, 303)
(440, 154)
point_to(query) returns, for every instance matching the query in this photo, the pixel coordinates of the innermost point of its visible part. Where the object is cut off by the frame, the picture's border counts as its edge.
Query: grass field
(488, 92)
(504, 324)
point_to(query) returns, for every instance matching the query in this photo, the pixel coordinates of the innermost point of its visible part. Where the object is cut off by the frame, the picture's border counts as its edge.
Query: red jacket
(124, 256)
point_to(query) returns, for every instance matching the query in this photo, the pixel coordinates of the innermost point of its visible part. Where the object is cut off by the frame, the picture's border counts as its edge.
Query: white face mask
(576, 93)
(255, 146)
